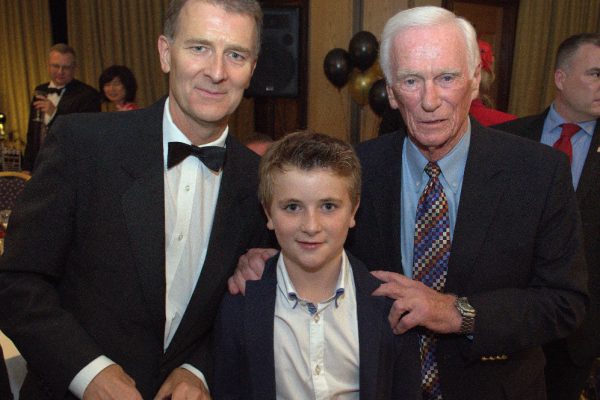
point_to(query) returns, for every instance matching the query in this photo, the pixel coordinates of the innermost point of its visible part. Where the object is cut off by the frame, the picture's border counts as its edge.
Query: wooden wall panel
(330, 26)
(375, 15)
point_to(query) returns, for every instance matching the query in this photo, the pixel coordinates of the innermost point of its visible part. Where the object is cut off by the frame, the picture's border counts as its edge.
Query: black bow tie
(51, 90)
(212, 156)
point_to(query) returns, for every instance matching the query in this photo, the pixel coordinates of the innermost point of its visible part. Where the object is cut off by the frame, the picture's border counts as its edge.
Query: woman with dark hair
(118, 87)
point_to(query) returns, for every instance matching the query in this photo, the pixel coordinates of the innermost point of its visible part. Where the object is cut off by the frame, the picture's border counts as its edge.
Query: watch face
(464, 305)
(467, 312)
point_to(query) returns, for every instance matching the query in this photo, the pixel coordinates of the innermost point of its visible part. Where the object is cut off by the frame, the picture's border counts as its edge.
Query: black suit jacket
(516, 254)
(78, 97)
(84, 269)
(584, 344)
(245, 364)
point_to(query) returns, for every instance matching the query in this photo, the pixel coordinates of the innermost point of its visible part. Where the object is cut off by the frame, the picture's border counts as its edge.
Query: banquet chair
(11, 159)
(11, 184)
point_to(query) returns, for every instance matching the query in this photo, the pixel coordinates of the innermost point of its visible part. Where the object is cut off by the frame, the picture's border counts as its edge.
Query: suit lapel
(258, 333)
(222, 247)
(591, 167)
(387, 202)
(534, 130)
(369, 328)
(483, 186)
(143, 208)
(65, 104)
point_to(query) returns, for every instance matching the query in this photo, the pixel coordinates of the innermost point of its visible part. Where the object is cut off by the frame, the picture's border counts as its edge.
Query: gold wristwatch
(468, 313)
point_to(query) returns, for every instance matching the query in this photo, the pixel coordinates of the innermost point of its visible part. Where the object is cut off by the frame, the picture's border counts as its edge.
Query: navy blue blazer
(244, 365)
(517, 254)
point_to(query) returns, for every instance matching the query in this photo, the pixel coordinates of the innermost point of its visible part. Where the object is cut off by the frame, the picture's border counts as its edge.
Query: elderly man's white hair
(424, 17)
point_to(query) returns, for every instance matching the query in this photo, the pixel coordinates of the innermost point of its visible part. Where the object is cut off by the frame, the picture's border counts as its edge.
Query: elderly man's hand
(250, 268)
(112, 383)
(417, 305)
(182, 385)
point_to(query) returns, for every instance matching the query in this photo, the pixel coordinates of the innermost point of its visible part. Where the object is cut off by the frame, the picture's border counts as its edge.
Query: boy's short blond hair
(306, 151)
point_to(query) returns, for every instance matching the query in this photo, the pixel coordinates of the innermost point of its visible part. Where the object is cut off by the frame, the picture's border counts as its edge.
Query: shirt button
(317, 370)
(316, 318)
(187, 188)
(180, 237)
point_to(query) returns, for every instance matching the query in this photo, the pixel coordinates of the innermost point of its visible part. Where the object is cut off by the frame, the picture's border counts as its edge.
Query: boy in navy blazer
(310, 328)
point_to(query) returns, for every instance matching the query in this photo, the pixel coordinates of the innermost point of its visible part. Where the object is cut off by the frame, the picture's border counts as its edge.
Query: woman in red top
(482, 108)
(118, 86)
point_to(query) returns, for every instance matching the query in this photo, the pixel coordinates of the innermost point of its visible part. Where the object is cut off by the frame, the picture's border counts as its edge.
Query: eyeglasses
(62, 67)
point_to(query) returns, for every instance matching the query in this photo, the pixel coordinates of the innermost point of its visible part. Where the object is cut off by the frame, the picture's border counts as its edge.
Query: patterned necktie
(430, 266)
(564, 141)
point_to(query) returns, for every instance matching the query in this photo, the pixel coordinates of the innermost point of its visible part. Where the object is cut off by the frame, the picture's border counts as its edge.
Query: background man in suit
(119, 251)
(485, 223)
(577, 101)
(65, 95)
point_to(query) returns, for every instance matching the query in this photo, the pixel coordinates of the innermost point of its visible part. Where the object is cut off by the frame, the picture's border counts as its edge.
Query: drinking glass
(39, 115)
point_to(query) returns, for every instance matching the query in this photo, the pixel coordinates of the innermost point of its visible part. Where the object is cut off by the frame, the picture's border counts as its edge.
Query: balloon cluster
(358, 67)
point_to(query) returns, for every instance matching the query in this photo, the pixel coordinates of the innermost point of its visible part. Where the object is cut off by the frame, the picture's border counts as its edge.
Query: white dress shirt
(191, 191)
(54, 99)
(316, 345)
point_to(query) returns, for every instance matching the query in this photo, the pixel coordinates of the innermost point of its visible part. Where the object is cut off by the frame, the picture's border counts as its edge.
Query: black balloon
(363, 49)
(378, 97)
(337, 66)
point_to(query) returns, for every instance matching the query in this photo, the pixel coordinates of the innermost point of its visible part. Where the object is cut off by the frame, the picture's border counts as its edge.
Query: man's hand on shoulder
(112, 383)
(250, 268)
(182, 385)
(417, 305)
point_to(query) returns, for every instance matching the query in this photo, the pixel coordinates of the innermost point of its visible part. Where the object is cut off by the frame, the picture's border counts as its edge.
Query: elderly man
(118, 254)
(64, 95)
(478, 230)
(572, 124)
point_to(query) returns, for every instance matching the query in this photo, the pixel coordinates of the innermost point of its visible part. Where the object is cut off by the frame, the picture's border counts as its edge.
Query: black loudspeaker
(276, 73)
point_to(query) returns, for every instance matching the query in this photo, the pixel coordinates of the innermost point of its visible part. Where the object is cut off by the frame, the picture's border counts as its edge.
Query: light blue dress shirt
(580, 141)
(414, 180)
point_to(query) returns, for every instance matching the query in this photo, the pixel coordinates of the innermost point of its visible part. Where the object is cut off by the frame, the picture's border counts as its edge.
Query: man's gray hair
(423, 17)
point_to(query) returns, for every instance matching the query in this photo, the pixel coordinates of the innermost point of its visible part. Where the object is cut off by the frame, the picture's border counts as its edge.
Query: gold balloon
(360, 83)
(377, 69)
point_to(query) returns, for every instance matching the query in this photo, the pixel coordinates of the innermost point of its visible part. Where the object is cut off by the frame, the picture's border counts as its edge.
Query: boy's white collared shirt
(316, 345)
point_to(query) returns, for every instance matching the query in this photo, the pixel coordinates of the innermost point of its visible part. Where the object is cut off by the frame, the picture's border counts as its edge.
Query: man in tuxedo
(576, 111)
(118, 253)
(65, 95)
(477, 230)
